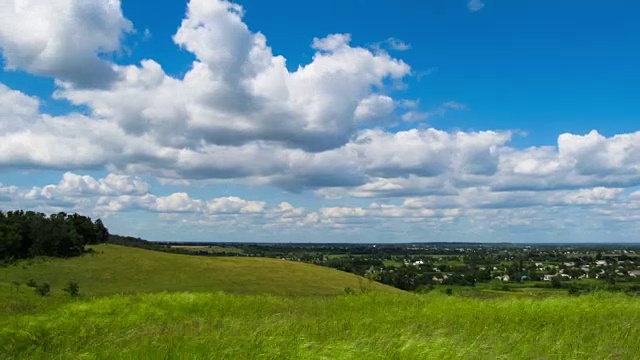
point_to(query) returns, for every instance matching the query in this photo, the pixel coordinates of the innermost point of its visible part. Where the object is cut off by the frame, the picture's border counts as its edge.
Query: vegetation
(574, 269)
(469, 301)
(112, 269)
(369, 326)
(137, 303)
(29, 234)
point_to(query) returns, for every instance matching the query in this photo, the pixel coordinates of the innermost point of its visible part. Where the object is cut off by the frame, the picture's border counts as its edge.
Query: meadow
(114, 269)
(139, 304)
(367, 326)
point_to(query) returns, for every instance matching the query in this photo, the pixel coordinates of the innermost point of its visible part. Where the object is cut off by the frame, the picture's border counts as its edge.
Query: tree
(28, 234)
(9, 242)
(102, 233)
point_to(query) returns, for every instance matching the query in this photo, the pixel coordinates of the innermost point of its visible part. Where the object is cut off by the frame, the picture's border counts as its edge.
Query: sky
(335, 121)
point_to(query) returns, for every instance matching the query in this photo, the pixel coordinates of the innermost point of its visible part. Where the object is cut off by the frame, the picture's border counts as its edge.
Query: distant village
(419, 266)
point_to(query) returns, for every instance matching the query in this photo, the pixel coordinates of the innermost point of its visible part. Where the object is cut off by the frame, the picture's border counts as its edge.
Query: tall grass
(371, 326)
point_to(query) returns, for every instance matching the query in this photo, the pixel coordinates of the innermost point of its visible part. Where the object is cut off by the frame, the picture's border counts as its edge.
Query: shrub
(349, 291)
(449, 291)
(32, 283)
(43, 289)
(73, 289)
(573, 290)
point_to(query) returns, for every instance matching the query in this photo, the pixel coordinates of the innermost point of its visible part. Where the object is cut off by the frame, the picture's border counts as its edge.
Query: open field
(116, 270)
(140, 304)
(370, 326)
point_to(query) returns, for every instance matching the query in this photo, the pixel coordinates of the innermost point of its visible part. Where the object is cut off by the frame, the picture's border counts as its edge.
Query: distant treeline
(25, 234)
(135, 242)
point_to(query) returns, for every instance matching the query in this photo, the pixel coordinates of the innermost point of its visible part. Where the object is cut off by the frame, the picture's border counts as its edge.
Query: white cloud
(332, 42)
(598, 195)
(234, 205)
(240, 115)
(391, 44)
(62, 38)
(375, 107)
(177, 202)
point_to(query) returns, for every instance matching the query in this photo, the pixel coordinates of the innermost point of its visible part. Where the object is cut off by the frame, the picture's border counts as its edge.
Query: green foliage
(32, 283)
(556, 282)
(349, 291)
(29, 234)
(449, 291)
(72, 288)
(573, 290)
(42, 289)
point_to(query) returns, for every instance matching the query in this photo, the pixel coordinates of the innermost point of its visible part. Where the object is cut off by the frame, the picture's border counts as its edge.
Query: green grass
(115, 270)
(140, 304)
(370, 326)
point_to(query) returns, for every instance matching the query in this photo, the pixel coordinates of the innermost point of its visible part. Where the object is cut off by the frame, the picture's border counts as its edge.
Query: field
(139, 304)
(117, 270)
(370, 326)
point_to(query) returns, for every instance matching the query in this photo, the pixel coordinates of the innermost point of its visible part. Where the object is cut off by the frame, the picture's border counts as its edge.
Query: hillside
(115, 269)
(370, 326)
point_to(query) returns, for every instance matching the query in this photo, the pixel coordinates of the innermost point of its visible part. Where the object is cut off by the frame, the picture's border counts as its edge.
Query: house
(569, 264)
(418, 263)
(601, 263)
(634, 273)
(548, 277)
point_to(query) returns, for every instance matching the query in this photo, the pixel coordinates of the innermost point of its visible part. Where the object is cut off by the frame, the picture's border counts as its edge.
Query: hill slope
(115, 269)
(370, 326)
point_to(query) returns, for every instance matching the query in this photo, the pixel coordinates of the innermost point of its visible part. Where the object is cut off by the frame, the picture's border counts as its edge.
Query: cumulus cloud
(233, 205)
(74, 185)
(238, 91)
(239, 114)
(62, 38)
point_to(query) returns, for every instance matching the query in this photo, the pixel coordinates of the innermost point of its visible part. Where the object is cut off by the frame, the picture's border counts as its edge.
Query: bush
(73, 289)
(32, 283)
(449, 291)
(349, 291)
(43, 289)
(573, 290)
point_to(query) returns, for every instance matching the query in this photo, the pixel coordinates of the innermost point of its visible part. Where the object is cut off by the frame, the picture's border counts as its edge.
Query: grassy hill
(369, 326)
(115, 270)
(140, 304)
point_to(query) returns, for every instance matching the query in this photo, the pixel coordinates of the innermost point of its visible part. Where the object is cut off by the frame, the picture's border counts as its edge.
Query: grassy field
(116, 270)
(139, 304)
(370, 326)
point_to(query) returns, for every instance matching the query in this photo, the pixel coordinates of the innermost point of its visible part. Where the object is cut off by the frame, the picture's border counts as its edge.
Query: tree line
(26, 234)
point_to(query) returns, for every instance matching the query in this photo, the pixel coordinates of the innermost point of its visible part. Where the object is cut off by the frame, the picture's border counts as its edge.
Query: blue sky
(350, 121)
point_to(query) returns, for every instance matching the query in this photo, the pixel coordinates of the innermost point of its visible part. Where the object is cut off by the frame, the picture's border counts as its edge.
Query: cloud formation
(63, 39)
(240, 115)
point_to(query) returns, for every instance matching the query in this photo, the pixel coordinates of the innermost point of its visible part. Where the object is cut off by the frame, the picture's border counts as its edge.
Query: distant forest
(26, 234)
